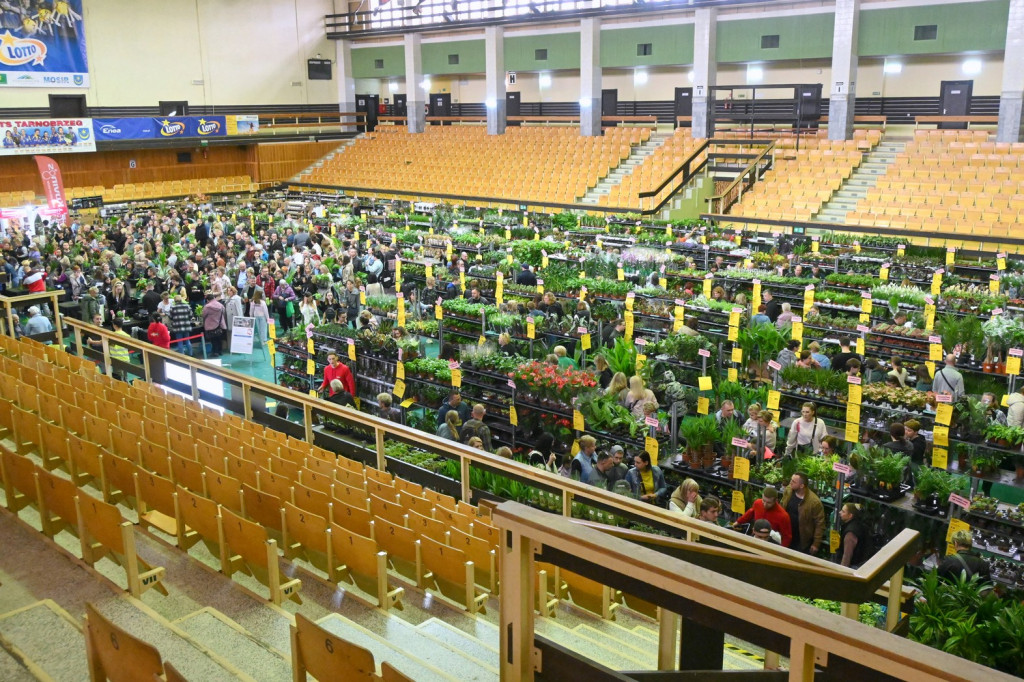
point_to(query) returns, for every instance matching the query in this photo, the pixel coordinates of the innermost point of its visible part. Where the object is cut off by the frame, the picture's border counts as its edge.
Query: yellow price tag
(352, 352)
(456, 378)
(620, 275)
(438, 312)
(853, 413)
(808, 300)
(481, 341)
(663, 282)
(629, 302)
(741, 468)
(866, 305)
(309, 346)
(651, 446)
(704, 383)
(732, 374)
(901, 250)
(312, 393)
(272, 329)
(310, 367)
(575, 448)
(940, 458)
(943, 414)
(853, 433)
(940, 436)
(956, 525)
(399, 389)
(815, 246)
(860, 346)
(993, 284)
(405, 403)
(734, 334)
(929, 316)
(585, 342)
(739, 505)
(1001, 263)
(936, 284)
(513, 416)
(797, 331)
(508, 258)
(703, 405)
(526, 220)
(930, 366)
(531, 330)
(362, 297)
(1013, 365)
(629, 327)
(935, 352)
(271, 348)
(640, 360)
(833, 541)
(508, 234)
(577, 420)
(737, 355)
(950, 255)
(400, 370)
(707, 287)
(448, 251)
(855, 393)
(883, 274)
(755, 295)
(428, 271)
(773, 400)
(734, 319)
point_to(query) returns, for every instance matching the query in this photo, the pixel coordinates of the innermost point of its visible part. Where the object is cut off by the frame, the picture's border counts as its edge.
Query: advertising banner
(246, 124)
(46, 136)
(53, 184)
(42, 45)
(107, 129)
(171, 126)
(242, 329)
(207, 126)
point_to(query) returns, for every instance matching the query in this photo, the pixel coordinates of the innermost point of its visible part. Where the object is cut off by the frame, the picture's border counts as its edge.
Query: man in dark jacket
(526, 277)
(806, 515)
(964, 560)
(454, 403)
(772, 308)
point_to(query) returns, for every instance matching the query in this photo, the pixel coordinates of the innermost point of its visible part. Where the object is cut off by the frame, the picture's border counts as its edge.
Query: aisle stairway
(345, 144)
(626, 168)
(876, 164)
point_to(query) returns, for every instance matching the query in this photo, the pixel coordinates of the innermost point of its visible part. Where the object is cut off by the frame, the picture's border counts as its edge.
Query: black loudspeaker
(807, 106)
(68, 106)
(173, 108)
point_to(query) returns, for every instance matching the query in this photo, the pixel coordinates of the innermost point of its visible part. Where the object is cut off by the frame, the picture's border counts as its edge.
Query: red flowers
(549, 381)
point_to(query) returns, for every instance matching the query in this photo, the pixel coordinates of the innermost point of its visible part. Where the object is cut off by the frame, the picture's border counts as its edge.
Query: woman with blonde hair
(636, 396)
(450, 428)
(617, 385)
(686, 499)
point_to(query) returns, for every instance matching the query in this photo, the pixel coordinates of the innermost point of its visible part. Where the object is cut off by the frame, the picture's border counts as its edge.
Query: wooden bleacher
(115, 655)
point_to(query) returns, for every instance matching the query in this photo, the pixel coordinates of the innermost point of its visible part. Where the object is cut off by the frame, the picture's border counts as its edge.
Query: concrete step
(482, 650)
(192, 658)
(233, 643)
(48, 639)
(383, 650)
(606, 652)
(441, 654)
(639, 650)
(645, 633)
(12, 668)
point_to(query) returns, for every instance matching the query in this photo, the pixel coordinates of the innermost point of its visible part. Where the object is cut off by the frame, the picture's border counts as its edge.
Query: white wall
(244, 51)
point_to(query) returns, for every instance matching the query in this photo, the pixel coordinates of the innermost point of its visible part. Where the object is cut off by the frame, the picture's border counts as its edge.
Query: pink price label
(815, 238)
(662, 269)
(943, 398)
(929, 300)
(399, 295)
(865, 294)
(512, 384)
(540, 282)
(853, 380)
(774, 365)
(631, 295)
(351, 342)
(901, 246)
(453, 364)
(709, 276)
(737, 310)
(863, 329)
(997, 311)
(994, 278)
(619, 265)
(940, 271)
(796, 319)
(934, 339)
(1001, 255)
(950, 249)
(439, 301)
(364, 289)
(529, 320)
(757, 282)
(680, 301)
(809, 287)
(651, 421)
(704, 353)
(1016, 352)
(960, 501)
(740, 443)
(841, 468)
(641, 342)
(581, 330)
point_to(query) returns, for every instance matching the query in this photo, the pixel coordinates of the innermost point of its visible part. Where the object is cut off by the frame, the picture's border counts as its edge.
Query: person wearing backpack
(475, 428)
(964, 560)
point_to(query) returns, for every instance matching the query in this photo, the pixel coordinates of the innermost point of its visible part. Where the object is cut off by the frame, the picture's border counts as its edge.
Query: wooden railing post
(892, 613)
(668, 628)
(801, 661)
(382, 462)
(517, 599)
(467, 489)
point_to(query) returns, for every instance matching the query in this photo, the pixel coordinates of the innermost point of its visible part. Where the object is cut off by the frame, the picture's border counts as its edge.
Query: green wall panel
(363, 59)
(471, 57)
(961, 28)
(800, 37)
(563, 52)
(670, 45)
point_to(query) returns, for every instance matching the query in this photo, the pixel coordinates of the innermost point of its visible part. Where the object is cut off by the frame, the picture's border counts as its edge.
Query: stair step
(48, 638)
(646, 633)
(191, 658)
(230, 641)
(451, 658)
(449, 634)
(637, 650)
(608, 654)
(384, 650)
(12, 669)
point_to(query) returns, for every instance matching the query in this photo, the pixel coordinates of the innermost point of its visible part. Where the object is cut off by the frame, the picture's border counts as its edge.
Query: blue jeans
(183, 346)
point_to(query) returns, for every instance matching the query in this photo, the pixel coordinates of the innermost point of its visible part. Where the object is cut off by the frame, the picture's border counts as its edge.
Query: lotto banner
(190, 126)
(42, 44)
(46, 136)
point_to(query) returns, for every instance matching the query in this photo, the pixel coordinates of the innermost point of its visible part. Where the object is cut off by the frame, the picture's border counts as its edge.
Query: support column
(1012, 100)
(346, 81)
(590, 77)
(416, 98)
(494, 57)
(842, 94)
(705, 72)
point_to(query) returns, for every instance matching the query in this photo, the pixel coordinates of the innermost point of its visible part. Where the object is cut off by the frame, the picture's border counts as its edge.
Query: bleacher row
(167, 188)
(542, 164)
(652, 171)
(801, 180)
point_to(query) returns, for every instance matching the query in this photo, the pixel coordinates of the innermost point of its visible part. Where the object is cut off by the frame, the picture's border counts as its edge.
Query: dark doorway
(368, 104)
(513, 103)
(401, 108)
(955, 100)
(174, 108)
(68, 106)
(441, 104)
(610, 102)
(684, 105)
(807, 106)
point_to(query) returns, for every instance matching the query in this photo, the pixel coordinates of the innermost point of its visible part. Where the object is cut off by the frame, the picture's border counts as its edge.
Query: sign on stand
(242, 329)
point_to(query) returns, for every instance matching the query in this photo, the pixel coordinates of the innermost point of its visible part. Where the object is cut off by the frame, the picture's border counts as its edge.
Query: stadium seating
(653, 171)
(530, 163)
(166, 188)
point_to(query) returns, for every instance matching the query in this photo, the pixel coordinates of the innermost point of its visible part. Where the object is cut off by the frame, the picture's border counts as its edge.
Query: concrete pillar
(1012, 99)
(590, 77)
(705, 71)
(494, 57)
(346, 81)
(842, 94)
(416, 98)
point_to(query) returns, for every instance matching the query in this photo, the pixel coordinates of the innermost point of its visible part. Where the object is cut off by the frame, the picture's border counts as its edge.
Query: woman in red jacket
(159, 336)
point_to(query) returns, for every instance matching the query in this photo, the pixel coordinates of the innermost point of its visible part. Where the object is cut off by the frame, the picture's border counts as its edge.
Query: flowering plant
(551, 382)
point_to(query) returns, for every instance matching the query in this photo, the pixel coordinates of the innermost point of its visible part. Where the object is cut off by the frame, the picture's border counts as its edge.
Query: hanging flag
(49, 171)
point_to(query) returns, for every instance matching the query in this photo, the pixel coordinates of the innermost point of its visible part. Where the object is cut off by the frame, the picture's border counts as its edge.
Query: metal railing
(679, 178)
(733, 192)
(709, 603)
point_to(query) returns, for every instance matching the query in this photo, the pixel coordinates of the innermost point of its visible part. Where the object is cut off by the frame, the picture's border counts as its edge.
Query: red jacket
(268, 284)
(776, 516)
(158, 335)
(342, 374)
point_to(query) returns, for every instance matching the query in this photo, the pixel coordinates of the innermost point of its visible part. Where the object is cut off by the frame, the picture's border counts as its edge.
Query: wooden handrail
(752, 166)
(313, 114)
(676, 584)
(10, 302)
(955, 119)
(683, 167)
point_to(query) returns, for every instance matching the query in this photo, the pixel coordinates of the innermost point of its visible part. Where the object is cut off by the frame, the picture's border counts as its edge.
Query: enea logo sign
(20, 51)
(208, 127)
(169, 129)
